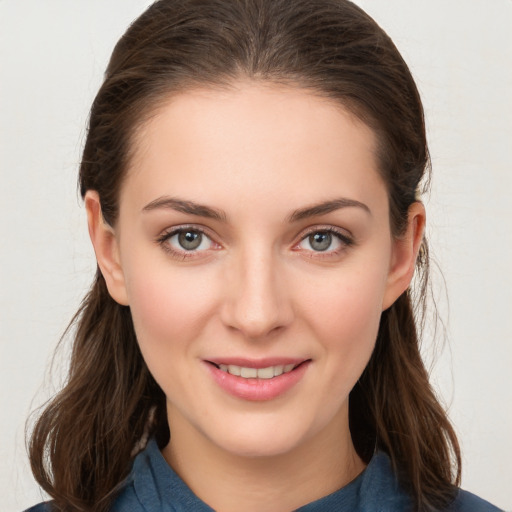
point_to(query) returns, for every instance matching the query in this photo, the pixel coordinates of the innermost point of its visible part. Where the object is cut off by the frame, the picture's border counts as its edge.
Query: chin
(260, 446)
(261, 439)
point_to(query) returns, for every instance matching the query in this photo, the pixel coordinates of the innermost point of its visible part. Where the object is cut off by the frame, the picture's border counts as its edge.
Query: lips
(257, 380)
(268, 372)
(248, 372)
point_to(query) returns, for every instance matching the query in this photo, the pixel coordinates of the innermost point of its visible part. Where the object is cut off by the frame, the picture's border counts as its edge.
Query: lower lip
(257, 390)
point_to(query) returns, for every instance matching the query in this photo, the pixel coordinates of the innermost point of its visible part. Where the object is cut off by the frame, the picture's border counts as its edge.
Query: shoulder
(381, 491)
(468, 502)
(41, 507)
(126, 501)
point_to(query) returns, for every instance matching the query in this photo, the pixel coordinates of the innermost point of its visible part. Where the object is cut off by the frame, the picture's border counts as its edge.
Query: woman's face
(253, 247)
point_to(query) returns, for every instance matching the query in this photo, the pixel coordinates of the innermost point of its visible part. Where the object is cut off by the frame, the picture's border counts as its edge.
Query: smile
(257, 373)
(257, 381)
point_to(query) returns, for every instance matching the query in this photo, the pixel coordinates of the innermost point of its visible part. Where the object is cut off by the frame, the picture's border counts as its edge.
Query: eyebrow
(327, 207)
(192, 208)
(180, 205)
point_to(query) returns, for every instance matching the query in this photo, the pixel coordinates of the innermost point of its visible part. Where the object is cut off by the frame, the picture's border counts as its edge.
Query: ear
(106, 247)
(405, 251)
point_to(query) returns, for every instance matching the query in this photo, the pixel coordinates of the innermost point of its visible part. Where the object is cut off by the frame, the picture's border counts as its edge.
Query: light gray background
(52, 55)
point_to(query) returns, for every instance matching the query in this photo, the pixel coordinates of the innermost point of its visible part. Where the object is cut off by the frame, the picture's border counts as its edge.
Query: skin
(256, 286)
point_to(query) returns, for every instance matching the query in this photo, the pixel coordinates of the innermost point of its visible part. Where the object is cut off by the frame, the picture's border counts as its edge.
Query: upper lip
(256, 363)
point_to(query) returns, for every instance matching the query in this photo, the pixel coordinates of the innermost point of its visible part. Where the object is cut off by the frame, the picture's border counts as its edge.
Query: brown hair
(83, 444)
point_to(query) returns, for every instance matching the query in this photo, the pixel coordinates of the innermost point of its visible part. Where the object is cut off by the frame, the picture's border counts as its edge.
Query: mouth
(260, 380)
(268, 372)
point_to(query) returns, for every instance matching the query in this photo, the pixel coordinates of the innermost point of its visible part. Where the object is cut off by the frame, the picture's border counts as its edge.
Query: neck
(229, 482)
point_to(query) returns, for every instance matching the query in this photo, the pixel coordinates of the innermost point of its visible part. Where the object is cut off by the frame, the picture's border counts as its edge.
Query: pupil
(320, 241)
(190, 240)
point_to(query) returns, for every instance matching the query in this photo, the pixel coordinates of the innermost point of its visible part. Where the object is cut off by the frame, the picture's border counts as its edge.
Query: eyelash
(163, 240)
(345, 240)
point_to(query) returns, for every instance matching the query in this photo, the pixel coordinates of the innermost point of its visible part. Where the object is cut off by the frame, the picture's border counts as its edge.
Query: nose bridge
(257, 302)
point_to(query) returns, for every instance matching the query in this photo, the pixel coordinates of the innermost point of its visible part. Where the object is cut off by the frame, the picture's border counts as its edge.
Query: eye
(320, 241)
(328, 241)
(186, 242)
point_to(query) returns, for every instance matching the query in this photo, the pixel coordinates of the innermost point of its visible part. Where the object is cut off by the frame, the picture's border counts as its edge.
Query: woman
(251, 176)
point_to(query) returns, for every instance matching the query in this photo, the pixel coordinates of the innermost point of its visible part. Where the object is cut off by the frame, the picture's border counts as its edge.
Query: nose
(257, 302)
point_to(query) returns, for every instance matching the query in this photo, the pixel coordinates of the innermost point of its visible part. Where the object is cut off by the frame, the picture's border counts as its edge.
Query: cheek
(169, 307)
(349, 303)
(345, 317)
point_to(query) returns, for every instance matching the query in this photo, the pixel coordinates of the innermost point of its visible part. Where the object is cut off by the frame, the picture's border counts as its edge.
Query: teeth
(278, 370)
(265, 373)
(248, 373)
(256, 373)
(234, 370)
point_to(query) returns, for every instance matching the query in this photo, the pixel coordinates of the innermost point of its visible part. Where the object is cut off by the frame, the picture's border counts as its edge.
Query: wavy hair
(82, 446)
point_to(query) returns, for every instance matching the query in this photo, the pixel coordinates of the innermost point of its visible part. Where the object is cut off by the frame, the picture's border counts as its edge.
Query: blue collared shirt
(153, 486)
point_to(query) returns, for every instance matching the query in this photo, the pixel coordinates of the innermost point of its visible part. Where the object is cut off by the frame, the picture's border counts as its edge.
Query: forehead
(252, 139)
